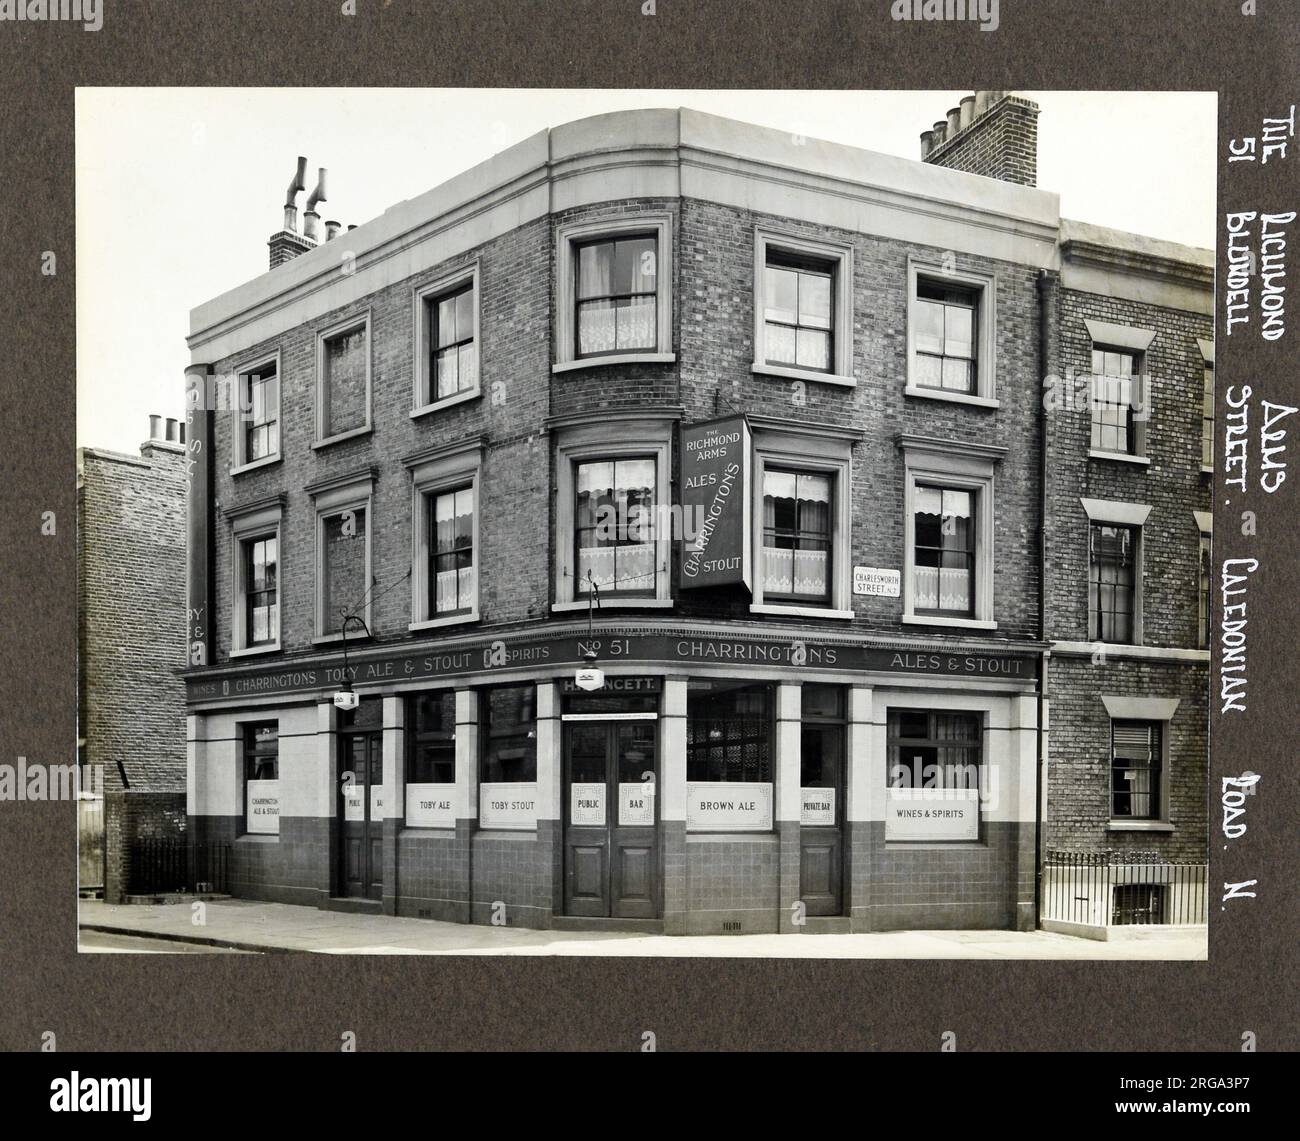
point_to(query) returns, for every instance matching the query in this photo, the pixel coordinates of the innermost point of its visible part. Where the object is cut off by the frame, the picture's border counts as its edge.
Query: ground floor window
(934, 775)
(1135, 770)
(431, 760)
(729, 728)
(508, 757)
(261, 741)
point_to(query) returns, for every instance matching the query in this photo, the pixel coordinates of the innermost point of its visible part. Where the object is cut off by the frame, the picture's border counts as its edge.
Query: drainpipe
(1046, 287)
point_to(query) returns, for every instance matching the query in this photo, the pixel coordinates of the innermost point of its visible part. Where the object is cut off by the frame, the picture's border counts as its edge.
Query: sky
(178, 189)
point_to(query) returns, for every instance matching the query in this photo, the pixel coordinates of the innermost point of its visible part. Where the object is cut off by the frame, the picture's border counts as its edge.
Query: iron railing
(1121, 889)
(173, 864)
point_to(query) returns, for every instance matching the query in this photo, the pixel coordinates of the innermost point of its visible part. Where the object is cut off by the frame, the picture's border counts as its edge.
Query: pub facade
(639, 530)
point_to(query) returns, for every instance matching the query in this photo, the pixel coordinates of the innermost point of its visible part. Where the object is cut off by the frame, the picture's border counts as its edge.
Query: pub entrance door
(611, 850)
(361, 824)
(822, 756)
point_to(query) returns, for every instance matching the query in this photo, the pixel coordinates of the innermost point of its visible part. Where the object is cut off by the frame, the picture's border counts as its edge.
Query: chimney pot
(981, 103)
(927, 141)
(173, 431)
(967, 111)
(954, 121)
(155, 427)
(331, 231)
(940, 132)
(351, 228)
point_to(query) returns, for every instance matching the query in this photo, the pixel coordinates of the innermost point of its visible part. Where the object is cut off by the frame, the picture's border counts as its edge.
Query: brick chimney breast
(1001, 141)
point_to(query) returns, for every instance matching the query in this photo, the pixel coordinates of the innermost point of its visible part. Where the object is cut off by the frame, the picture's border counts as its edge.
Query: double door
(611, 851)
(361, 815)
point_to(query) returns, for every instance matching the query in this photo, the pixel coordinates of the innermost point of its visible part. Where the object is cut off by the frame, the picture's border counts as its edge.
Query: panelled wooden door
(821, 844)
(610, 820)
(361, 828)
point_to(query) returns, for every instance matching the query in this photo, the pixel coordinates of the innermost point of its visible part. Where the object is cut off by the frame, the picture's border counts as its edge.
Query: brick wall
(131, 588)
(1172, 484)
(1078, 774)
(1002, 143)
(131, 815)
(713, 339)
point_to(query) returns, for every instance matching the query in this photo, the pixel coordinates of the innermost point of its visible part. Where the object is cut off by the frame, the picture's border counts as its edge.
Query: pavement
(246, 925)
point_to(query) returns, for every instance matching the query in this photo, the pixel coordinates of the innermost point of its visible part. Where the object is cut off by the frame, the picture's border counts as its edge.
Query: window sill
(449, 620)
(253, 651)
(734, 836)
(1139, 826)
(446, 402)
(808, 374)
(265, 461)
(1207, 470)
(956, 623)
(258, 838)
(952, 397)
(613, 359)
(356, 637)
(425, 832)
(620, 603)
(350, 434)
(800, 611)
(1119, 457)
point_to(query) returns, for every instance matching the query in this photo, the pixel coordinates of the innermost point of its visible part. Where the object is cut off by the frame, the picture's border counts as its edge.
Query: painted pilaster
(789, 780)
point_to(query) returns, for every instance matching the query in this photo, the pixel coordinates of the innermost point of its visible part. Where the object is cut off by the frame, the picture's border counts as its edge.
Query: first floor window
(729, 733)
(453, 366)
(1112, 562)
(1114, 377)
(508, 730)
(797, 311)
(261, 395)
(944, 556)
(614, 527)
(616, 297)
(797, 516)
(431, 737)
(261, 742)
(934, 749)
(452, 585)
(343, 568)
(946, 336)
(1135, 763)
(261, 597)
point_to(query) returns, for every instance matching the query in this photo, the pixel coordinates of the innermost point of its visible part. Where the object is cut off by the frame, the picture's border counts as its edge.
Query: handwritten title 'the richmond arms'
(500, 655)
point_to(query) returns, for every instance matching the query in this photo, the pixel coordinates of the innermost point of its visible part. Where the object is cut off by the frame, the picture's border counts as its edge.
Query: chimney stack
(287, 244)
(310, 219)
(993, 133)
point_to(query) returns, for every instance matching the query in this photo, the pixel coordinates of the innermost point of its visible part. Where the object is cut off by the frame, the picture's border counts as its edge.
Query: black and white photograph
(646, 522)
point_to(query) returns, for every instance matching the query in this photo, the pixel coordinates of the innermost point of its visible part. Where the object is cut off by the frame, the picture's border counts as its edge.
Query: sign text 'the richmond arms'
(665, 648)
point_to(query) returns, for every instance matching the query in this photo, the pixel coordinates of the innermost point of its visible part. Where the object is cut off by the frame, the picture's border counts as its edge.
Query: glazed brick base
(898, 887)
(712, 885)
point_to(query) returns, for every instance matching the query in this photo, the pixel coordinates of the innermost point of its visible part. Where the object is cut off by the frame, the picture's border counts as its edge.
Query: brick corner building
(759, 432)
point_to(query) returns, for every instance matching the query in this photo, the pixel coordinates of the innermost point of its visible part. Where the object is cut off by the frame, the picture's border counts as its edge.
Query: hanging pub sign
(715, 536)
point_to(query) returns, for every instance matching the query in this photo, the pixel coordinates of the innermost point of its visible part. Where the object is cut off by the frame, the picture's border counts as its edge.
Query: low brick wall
(131, 815)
